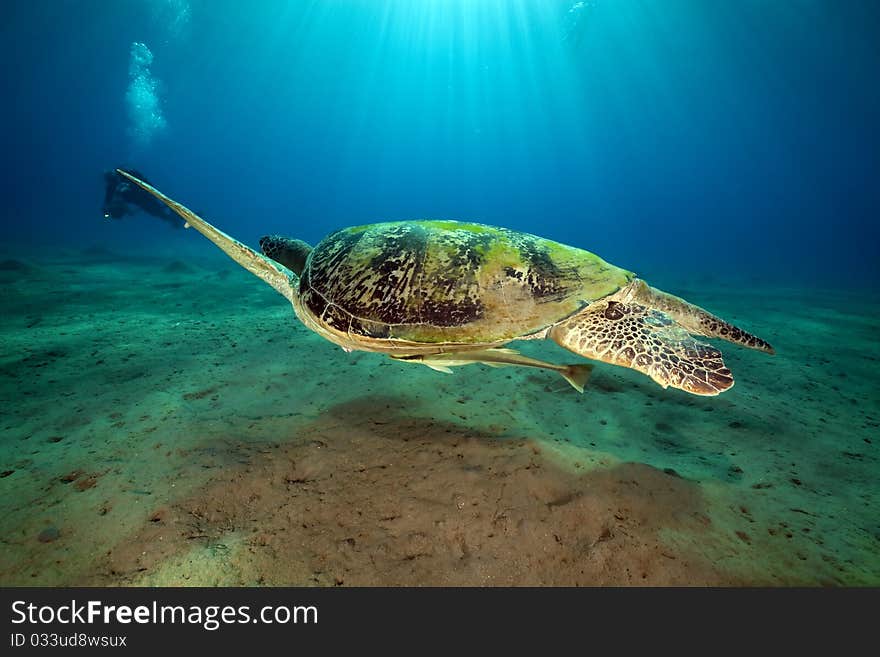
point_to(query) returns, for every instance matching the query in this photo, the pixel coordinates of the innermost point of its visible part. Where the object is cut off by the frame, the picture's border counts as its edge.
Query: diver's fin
(275, 274)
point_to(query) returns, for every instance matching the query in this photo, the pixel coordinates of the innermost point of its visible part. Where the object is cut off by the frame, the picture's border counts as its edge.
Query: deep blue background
(729, 139)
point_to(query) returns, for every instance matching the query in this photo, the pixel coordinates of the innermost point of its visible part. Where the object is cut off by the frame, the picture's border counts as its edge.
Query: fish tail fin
(577, 375)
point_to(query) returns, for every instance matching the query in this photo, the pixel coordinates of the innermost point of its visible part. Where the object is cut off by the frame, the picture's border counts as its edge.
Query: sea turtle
(448, 293)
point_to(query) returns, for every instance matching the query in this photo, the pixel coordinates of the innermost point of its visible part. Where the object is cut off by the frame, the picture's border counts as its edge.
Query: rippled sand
(169, 423)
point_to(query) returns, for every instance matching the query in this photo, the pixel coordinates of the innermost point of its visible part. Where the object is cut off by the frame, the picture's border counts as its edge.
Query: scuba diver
(122, 198)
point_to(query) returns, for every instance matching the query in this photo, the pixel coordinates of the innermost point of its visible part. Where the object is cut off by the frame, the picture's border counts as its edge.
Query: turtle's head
(288, 252)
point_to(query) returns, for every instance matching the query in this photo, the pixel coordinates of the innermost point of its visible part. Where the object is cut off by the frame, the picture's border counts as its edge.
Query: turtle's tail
(275, 274)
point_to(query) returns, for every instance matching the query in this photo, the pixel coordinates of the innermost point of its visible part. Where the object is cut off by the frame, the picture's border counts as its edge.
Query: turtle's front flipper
(696, 320)
(646, 340)
(577, 375)
(275, 274)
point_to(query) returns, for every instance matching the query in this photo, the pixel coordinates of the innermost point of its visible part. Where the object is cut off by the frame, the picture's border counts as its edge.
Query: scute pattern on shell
(425, 280)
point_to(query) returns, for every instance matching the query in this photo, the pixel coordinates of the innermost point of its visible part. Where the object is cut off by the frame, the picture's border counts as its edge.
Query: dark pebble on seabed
(735, 425)
(671, 472)
(71, 476)
(177, 267)
(48, 535)
(56, 439)
(744, 537)
(6, 473)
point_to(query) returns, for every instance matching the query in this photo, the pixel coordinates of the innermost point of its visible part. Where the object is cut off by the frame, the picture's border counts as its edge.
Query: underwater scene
(440, 293)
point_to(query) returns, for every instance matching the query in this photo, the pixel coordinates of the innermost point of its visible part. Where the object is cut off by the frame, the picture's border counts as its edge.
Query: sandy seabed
(169, 422)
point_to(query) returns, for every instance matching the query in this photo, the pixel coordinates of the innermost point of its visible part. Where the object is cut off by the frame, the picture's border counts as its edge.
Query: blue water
(721, 139)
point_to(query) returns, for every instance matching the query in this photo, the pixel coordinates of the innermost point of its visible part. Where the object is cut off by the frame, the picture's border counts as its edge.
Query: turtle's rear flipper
(275, 274)
(696, 320)
(646, 340)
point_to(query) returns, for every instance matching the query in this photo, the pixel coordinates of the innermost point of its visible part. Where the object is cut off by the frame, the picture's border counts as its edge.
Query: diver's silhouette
(122, 198)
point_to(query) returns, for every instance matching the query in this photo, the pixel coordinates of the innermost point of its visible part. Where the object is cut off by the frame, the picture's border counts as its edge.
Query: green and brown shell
(448, 281)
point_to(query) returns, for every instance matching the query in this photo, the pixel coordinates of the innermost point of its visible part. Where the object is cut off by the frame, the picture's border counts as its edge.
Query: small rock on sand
(49, 534)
